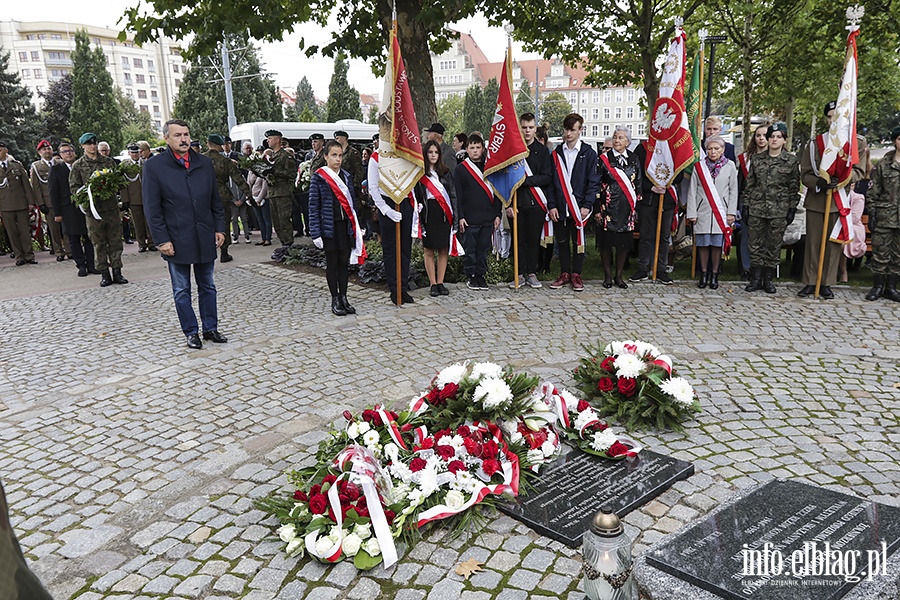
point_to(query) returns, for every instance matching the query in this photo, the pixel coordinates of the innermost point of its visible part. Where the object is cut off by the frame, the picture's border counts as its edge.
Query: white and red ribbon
(442, 197)
(562, 172)
(622, 179)
(714, 198)
(541, 198)
(478, 176)
(342, 193)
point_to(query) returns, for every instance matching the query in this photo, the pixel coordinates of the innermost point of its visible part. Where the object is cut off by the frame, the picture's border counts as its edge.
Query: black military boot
(767, 285)
(337, 307)
(714, 280)
(117, 276)
(755, 280)
(890, 291)
(225, 256)
(105, 278)
(877, 290)
(704, 280)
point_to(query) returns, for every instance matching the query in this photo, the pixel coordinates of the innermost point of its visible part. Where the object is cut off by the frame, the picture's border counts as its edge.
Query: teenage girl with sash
(437, 196)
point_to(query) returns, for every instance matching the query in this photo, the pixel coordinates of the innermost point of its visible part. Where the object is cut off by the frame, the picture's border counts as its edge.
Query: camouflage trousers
(282, 219)
(106, 235)
(766, 238)
(886, 251)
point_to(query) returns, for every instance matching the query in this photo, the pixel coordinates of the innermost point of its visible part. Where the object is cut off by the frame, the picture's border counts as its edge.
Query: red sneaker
(562, 280)
(577, 284)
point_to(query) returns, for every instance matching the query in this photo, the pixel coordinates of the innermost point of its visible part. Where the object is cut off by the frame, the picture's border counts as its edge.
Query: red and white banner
(670, 148)
(622, 180)
(841, 147)
(562, 172)
(714, 198)
(342, 193)
(506, 148)
(442, 197)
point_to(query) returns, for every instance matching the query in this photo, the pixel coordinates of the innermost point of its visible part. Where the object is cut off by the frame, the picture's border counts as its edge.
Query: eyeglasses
(67, 152)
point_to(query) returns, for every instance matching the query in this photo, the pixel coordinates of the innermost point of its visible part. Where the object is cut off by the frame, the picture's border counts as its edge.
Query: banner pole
(828, 198)
(399, 268)
(659, 214)
(515, 205)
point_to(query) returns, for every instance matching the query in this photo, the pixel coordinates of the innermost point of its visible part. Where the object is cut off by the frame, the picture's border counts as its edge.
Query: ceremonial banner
(692, 103)
(842, 149)
(670, 148)
(400, 162)
(504, 166)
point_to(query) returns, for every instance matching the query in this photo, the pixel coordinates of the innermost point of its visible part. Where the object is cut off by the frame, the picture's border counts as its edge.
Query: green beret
(272, 132)
(215, 138)
(895, 133)
(777, 127)
(341, 132)
(88, 138)
(317, 136)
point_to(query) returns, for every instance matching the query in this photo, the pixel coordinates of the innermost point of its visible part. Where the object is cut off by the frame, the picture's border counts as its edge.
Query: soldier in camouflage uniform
(883, 204)
(17, 200)
(40, 183)
(770, 196)
(281, 190)
(226, 169)
(106, 232)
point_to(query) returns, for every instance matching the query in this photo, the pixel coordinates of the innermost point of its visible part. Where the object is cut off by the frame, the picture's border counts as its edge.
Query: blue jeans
(264, 217)
(206, 294)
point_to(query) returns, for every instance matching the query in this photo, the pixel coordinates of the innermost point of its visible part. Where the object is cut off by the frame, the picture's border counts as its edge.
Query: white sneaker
(533, 281)
(512, 284)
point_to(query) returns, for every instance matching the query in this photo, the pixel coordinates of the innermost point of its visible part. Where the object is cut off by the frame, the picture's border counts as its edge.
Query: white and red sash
(541, 198)
(441, 196)
(478, 176)
(562, 172)
(715, 199)
(842, 232)
(342, 193)
(623, 181)
(744, 163)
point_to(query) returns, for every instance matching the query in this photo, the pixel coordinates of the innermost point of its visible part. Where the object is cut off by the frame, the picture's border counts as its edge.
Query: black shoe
(444, 291)
(808, 290)
(82, 272)
(664, 279)
(714, 281)
(214, 336)
(117, 277)
(755, 280)
(337, 307)
(93, 271)
(407, 299)
(767, 285)
(346, 304)
(142, 249)
(825, 293)
(151, 248)
(639, 276)
(472, 283)
(435, 291)
(607, 283)
(704, 280)
(105, 278)
(621, 284)
(20, 263)
(129, 241)
(60, 258)
(226, 257)
(890, 290)
(877, 288)
(482, 283)
(193, 341)
(31, 261)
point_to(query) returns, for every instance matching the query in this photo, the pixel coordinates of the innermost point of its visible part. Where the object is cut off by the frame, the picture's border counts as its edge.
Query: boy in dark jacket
(479, 213)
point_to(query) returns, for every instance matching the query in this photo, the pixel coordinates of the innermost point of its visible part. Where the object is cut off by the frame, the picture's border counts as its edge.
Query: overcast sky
(283, 60)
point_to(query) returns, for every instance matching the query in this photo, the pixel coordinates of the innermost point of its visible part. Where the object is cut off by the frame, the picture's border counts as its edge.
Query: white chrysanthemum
(679, 389)
(457, 442)
(486, 370)
(454, 500)
(602, 440)
(427, 481)
(353, 430)
(548, 448)
(452, 374)
(351, 545)
(645, 349)
(364, 426)
(493, 393)
(400, 471)
(629, 366)
(371, 438)
(571, 400)
(584, 417)
(614, 348)
(535, 456)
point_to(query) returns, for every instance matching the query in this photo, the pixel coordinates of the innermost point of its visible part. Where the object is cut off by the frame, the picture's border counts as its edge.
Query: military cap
(43, 144)
(779, 126)
(895, 133)
(88, 138)
(195, 144)
(2, 144)
(316, 136)
(375, 137)
(134, 148)
(272, 132)
(227, 139)
(215, 138)
(830, 106)
(341, 132)
(436, 128)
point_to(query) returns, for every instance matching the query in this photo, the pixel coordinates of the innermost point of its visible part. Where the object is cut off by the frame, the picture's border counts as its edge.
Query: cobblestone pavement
(130, 462)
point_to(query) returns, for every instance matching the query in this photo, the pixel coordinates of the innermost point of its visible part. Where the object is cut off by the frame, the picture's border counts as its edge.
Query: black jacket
(614, 205)
(585, 180)
(447, 182)
(541, 164)
(476, 206)
(649, 198)
(73, 222)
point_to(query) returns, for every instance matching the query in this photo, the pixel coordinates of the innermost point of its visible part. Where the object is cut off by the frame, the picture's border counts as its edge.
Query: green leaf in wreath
(365, 561)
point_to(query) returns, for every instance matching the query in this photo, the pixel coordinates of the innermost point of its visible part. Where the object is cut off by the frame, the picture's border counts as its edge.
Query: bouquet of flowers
(256, 162)
(102, 186)
(636, 384)
(130, 170)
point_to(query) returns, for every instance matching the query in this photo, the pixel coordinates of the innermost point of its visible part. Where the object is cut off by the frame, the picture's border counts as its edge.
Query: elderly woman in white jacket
(709, 234)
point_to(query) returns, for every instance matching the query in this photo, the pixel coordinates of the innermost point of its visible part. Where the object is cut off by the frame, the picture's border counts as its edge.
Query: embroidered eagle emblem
(663, 118)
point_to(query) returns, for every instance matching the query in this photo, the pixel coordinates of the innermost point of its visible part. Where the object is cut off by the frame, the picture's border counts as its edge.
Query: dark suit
(585, 186)
(74, 225)
(183, 208)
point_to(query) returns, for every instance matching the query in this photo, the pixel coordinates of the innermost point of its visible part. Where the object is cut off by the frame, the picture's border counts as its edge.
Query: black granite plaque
(571, 490)
(770, 545)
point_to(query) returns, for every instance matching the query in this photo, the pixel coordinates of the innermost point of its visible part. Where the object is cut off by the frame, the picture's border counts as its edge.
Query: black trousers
(647, 226)
(337, 270)
(304, 211)
(476, 241)
(566, 236)
(389, 247)
(82, 251)
(531, 225)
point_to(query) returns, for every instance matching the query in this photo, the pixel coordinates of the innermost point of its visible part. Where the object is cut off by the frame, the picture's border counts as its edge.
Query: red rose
(417, 464)
(389, 515)
(440, 434)
(300, 496)
(627, 386)
(489, 449)
(329, 479)
(455, 466)
(348, 415)
(445, 452)
(606, 384)
(463, 431)
(352, 492)
(362, 501)
(427, 443)
(490, 467)
(344, 499)
(368, 415)
(471, 446)
(449, 391)
(362, 511)
(434, 396)
(317, 504)
(607, 364)
(617, 449)
(583, 405)
(316, 489)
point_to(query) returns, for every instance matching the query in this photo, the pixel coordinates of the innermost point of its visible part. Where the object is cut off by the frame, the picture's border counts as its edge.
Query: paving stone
(523, 579)
(160, 585)
(195, 586)
(446, 589)
(229, 584)
(366, 589)
(485, 579)
(504, 561)
(269, 579)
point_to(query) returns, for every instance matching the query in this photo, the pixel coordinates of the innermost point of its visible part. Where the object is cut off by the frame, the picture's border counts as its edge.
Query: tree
(136, 124)
(201, 100)
(451, 114)
(343, 99)
(55, 109)
(307, 116)
(94, 105)
(373, 114)
(17, 113)
(524, 100)
(554, 109)
(473, 115)
(306, 98)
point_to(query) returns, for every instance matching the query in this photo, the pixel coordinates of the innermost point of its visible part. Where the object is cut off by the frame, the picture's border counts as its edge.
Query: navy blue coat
(322, 204)
(585, 180)
(182, 206)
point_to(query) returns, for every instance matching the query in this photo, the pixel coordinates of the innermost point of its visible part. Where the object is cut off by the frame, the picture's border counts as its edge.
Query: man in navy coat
(187, 221)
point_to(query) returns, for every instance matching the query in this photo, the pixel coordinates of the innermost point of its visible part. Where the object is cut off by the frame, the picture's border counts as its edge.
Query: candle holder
(606, 559)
